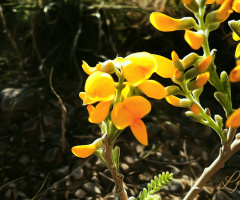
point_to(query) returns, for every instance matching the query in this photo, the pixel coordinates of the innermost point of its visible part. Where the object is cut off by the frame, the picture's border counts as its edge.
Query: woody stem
(118, 178)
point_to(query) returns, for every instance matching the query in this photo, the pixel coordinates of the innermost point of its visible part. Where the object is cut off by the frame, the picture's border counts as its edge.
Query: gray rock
(173, 169)
(145, 177)
(78, 174)
(80, 193)
(124, 168)
(153, 128)
(175, 187)
(92, 188)
(130, 159)
(52, 155)
(24, 159)
(61, 172)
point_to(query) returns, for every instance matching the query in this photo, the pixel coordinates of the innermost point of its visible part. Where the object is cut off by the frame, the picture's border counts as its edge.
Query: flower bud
(191, 5)
(189, 60)
(234, 119)
(108, 67)
(204, 64)
(196, 117)
(176, 61)
(237, 52)
(234, 75)
(194, 39)
(175, 101)
(195, 108)
(200, 81)
(90, 70)
(234, 25)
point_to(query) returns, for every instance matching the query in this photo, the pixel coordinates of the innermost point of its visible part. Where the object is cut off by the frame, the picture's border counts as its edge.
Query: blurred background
(37, 36)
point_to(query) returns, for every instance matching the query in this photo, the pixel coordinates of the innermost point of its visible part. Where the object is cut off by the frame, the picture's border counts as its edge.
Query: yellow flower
(165, 67)
(236, 6)
(83, 151)
(194, 39)
(234, 75)
(224, 11)
(235, 36)
(234, 119)
(99, 86)
(237, 52)
(202, 79)
(175, 101)
(129, 113)
(90, 70)
(204, 64)
(195, 108)
(138, 67)
(165, 23)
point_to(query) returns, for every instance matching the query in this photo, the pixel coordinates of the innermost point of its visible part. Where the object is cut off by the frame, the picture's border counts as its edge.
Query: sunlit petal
(234, 119)
(84, 151)
(100, 87)
(194, 39)
(90, 70)
(234, 75)
(224, 11)
(153, 89)
(139, 130)
(138, 67)
(195, 108)
(86, 99)
(210, 1)
(98, 114)
(165, 67)
(204, 64)
(121, 117)
(175, 101)
(202, 79)
(237, 52)
(236, 6)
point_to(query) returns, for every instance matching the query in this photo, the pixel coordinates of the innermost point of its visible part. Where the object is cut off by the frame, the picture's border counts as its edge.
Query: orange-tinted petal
(224, 11)
(138, 106)
(121, 117)
(100, 87)
(195, 108)
(153, 89)
(138, 67)
(84, 151)
(194, 39)
(98, 114)
(204, 64)
(175, 57)
(234, 119)
(237, 52)
(90, 70)
(210, 1)
(139, 130)
(165, 67)
(175, 101)
(163, 22)
(234, 75)
(202, 79)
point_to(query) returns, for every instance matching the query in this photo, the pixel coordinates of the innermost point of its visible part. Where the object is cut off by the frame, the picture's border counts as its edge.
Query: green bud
(191, 73)
(196, 93)
(192, 6)
(189, 60)
(218, 120)
(197, 117)
(213, 26)
(173, 90)
(108, 67)
(115, 157)
(153, 197)
(185, 103)
(210, 18)
(226, 83)
(235, 26)
(187, 23)
(192, 85)
(99, 154)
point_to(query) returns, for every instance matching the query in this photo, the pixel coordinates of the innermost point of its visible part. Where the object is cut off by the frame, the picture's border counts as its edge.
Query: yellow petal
(163, 22)
(173, 100)
(234, 119)
(165, 67)
(195, 108)
(236, 6)
(175, 57)
(121, 117)
(202, 79)
(139, 130)
(210, 1)
(86, 99)
(138, 67)
(204, 64)
(138, 106)
(234, 75)
(224, 11)
(194, 39)
(237, 52)
(90, 70)
(153, 89)
(235, 36)
(100, 87)
(126, 91)
(84, 151)
(98, 114)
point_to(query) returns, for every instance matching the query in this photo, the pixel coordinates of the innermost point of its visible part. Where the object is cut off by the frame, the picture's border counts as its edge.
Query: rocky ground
(33, 165)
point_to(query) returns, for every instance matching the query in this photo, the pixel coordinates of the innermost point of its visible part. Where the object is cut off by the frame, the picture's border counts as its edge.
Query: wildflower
(138, 67)
(165, 67)
(129, 113)
(90, 70)
(99, 86)
(234, 75)
(165, 23)
(195, 108)
(175, 101)
(202, 79)
(236, 6)
(204, 64)
(194, 39)
(234, 119)
(83, 151)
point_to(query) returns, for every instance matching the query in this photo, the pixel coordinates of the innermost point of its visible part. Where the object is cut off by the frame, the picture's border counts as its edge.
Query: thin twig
(64, 110)
(10, 38)
(118, 178)
(172, 163)
(13, 181)
(214, 167)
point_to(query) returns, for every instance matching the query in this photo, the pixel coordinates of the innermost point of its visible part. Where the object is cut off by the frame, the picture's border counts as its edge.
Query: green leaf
(115, 157)
(98, 153)
(196, 93)
(226, 83)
